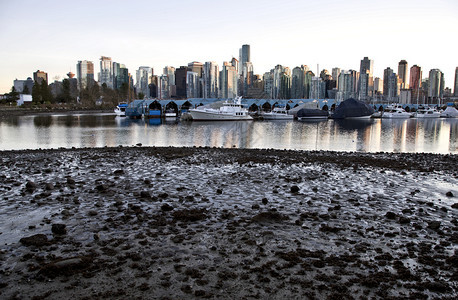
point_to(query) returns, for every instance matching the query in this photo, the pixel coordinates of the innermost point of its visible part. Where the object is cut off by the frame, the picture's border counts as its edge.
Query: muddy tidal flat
(191, 223)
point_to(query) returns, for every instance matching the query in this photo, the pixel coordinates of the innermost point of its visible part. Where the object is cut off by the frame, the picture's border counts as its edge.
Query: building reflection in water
(53, 131)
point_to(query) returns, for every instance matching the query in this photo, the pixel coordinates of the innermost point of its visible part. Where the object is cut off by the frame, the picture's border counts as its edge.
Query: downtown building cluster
(236, 78)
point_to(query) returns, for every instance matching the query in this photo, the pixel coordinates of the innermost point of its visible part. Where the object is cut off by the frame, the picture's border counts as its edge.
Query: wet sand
(180, 223)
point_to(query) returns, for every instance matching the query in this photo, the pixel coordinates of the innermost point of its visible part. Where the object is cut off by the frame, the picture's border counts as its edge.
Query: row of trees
(89, 97)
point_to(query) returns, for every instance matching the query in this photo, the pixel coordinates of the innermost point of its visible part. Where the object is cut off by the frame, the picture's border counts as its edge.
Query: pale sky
(53, 35)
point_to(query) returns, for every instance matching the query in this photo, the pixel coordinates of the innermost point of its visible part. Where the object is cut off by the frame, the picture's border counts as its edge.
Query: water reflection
(390, 135)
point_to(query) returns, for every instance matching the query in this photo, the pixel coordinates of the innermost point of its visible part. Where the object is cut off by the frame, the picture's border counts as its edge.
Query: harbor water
(99, 130)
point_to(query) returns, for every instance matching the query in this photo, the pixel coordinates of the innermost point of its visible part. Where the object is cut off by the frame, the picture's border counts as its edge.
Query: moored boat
(426, 112)
(120, 109)
(277, 113)
(229, 111)
(353, 109)
(395, 112)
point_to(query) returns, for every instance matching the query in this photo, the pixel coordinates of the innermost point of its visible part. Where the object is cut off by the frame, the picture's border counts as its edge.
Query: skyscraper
(39, 76)
(436, 84)
(228, 79)
(335, 75)
(455, 91)
(180, 81)
(415, 82)
(192, 84)
(403, 74)
(210, 78)
(244, 53)
(196, 67)
(144, 80)
(85, 74)
(120, 76)
(106, 71)
(366, 81)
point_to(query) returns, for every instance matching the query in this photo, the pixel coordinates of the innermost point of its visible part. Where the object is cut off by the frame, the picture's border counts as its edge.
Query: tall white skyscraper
(106, 71)
(144, 75)
(210, 78)
(228, 79)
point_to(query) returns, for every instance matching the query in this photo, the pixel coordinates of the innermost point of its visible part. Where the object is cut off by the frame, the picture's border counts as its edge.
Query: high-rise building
(335, 75)
(244, 53)
(121, 76)
(192, 84)
(180, 81)
(281, 85)
(455, 90)
(390, 85)
(85, 74)
(24, 86)
(228, 81)
(197, 67)
(163, 89)
(298, 83)
(346, 85)
(415, 82)
(39, 76)
(367, 65)
(378, 86)
(436, 84)
(144, 80)
(403, 73)
(318, 88)
(106, 71)
(210, 78)
(366, 80)
(268, 79)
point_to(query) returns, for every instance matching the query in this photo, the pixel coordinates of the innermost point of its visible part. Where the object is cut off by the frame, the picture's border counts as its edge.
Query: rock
(30, 186)
(434, 225)
(166, 207)
(219, 191)
(455, 205)
(101, 188)
(255, 206)
(264, 201)
(449, 194)
(59, 229)
(49, 186)
(93, 213)
(70, 180)
(390, 215)
(139, 144)
(294, 189)
(35, 240)
(67, 266)
(404, 220)
(118, 172)
(163, 195)
(145, 194)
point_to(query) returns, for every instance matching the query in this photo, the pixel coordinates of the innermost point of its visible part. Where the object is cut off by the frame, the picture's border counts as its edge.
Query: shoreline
(221, 223)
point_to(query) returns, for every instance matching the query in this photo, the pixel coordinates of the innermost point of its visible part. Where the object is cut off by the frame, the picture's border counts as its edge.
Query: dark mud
(179, 223)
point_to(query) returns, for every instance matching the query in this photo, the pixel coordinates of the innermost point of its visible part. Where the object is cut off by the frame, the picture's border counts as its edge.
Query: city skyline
(54, 36)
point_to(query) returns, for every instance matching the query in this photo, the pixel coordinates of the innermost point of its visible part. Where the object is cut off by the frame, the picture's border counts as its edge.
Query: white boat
(120, 109)
(277, 114)
(170, 114)
(450, 112)
(395, 112)
(230, 111)
(426, 112)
